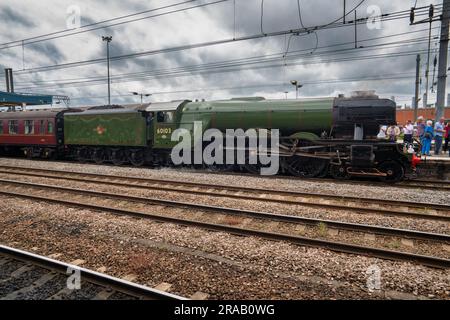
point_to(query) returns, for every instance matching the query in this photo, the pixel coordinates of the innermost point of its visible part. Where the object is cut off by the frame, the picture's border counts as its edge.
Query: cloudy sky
(325, 61)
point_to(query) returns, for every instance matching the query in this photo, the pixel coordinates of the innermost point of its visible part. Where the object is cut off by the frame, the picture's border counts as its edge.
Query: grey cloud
(9, 16)
(278, 15)
(47, 49)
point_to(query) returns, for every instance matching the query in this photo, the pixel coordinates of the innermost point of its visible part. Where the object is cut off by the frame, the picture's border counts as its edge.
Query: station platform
(435, 167)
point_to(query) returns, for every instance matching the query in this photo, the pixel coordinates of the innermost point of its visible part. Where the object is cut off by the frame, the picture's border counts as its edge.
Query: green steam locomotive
(314, 137)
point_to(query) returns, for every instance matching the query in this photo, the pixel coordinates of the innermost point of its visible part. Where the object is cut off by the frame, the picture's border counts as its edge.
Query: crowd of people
(422, 131)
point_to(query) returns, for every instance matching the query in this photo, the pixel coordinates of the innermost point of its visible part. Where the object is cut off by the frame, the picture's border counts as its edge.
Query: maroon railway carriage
(32, 133)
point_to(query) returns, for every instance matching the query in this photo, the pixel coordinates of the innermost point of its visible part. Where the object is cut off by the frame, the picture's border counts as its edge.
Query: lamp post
(108, 40)
(297, 86)
(142, 95)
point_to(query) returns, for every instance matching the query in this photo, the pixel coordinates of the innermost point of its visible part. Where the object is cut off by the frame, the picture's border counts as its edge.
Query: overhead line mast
(108, 39)
(443, 52)
(442, 69)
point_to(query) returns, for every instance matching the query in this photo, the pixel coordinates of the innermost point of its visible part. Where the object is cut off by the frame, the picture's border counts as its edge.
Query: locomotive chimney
(367, 94)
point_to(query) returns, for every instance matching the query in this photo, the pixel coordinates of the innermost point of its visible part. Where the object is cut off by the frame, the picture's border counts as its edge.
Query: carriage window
(50, 127)
(41, 127)
(13, 126)
(1, 126)
(29, 127)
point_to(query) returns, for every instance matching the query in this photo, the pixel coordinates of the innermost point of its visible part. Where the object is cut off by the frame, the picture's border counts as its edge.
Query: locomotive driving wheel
(302, 166)
(137, 158)
(305, 166)
(253, 168)
(82, 154)
(258, 167)
(99, 156)
(394, 170)
(118, 157)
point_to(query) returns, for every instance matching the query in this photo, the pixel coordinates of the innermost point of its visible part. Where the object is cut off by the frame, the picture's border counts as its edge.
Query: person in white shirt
(382, 134)
(408, 131)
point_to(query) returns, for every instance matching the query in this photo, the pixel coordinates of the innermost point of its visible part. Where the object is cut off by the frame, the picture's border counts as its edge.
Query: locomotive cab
(164, 121)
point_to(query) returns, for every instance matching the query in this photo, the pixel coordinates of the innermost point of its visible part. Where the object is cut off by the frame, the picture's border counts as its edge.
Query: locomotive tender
(335, 136)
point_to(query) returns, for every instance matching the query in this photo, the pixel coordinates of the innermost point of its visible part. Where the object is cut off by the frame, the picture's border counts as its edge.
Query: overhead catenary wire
(391, 16)
(323, 47)
(396, 76)
(166, 76)
(174, 49)
(67, 33)
(271, 57)
(206, 72)
(193, 69)
(244, 63)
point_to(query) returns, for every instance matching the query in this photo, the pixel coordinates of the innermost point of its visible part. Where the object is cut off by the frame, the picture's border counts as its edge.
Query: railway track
(408, 209)
(93, 200)
(28, 276)
(428, 184)
(424, 184)
(418, 183)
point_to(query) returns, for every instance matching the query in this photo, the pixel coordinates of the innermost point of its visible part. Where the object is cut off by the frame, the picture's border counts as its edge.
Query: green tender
(106, 129)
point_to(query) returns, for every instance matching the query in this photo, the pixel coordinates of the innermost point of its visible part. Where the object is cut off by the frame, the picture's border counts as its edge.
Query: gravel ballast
(222, 265)
(376, 191)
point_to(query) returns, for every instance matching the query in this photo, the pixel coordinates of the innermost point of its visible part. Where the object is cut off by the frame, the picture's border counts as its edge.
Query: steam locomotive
(315, 137)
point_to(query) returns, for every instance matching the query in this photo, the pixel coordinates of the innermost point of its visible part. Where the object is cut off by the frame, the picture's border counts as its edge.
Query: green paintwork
(106, 129)
(289, 116)
(306, 117)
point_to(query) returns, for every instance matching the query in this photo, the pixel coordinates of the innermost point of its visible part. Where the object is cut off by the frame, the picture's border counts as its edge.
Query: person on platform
(408, 131)
(438, 135)
(427, 137)
(393, 132)
(382, 133)
(420, 128)
(447, 137)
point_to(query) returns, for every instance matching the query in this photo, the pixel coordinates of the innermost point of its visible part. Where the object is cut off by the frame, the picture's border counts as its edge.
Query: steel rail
(442, 182)
(442, 185)
(432, 261)
(162, 185)
(248, 213)
(436, 184)
(119, 285)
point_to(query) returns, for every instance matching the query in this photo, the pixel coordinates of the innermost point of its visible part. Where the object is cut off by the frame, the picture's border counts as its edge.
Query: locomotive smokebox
(363, 110)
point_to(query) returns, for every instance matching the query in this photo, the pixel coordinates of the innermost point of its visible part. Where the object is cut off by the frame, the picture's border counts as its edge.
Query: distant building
(428, 113)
